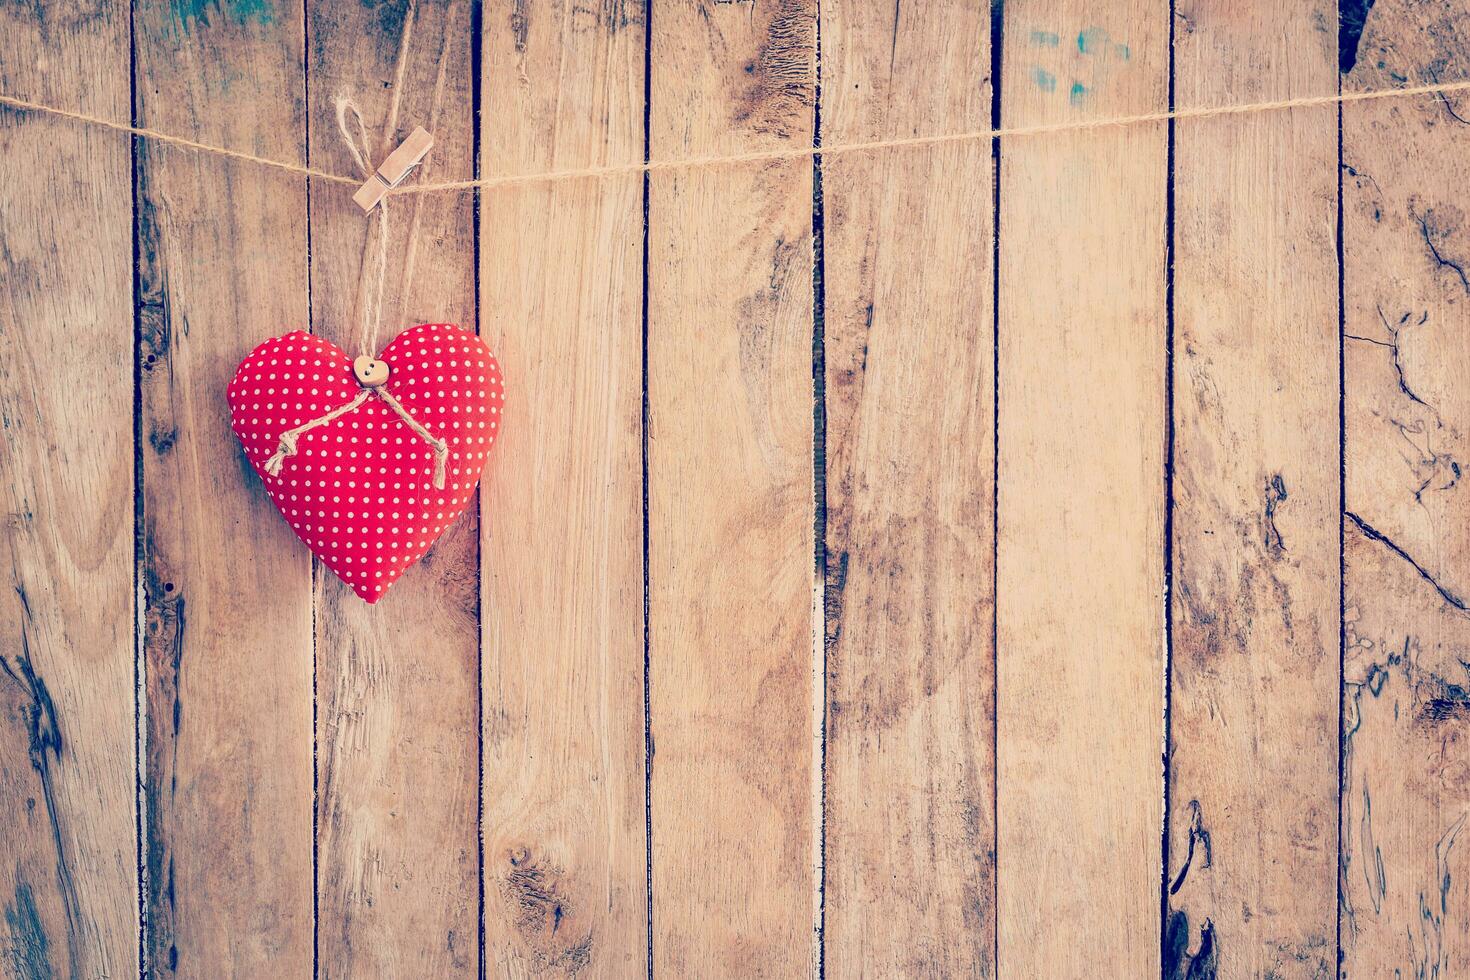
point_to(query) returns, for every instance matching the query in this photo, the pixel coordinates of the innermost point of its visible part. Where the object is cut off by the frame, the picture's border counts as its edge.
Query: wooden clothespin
(398, 165)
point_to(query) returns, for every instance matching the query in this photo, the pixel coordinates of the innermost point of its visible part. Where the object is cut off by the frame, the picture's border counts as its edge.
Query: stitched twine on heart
(287, 446)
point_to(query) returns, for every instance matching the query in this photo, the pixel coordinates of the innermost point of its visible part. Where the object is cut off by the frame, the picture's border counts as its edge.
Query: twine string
(287, 445)
(440, 446)
(359, 146)
(372, 310)
(371, 294)
(371, 300)
(757, 156)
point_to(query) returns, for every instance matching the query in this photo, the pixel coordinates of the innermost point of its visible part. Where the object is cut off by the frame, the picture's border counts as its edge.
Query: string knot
(287, 447)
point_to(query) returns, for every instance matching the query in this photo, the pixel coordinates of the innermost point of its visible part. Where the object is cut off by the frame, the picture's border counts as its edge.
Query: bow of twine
(372, 314)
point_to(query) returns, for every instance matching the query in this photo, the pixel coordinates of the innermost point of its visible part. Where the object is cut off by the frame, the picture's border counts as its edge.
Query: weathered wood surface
(909, 372)
(561, 274)
(396, 696)
(1405, 864)
(731, 574)
(227, 642)
(799, 626)
(67, 701)
(1080, 560)
(1253, 710)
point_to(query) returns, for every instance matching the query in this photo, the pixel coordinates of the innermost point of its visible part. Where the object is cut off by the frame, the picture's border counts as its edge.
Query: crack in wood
(1198, 835)
(1275, 497)
(1375, 535)
(1443, 261)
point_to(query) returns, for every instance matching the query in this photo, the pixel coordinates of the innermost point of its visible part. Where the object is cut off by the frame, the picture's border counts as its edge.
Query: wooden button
(371, 372)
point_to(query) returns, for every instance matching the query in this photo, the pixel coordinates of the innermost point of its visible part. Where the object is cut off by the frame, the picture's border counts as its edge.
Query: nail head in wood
(398, 165)
(371, 372)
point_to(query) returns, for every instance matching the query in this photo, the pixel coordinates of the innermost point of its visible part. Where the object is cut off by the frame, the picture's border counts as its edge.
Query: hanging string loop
(371, 302)
(371, 294)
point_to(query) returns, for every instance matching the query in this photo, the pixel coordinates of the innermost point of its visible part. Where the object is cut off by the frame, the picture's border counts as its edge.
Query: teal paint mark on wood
(1046, 39)
(1044, 79)
(190, 13)
(1096, 41)
(1092, 40)
(1078, 94)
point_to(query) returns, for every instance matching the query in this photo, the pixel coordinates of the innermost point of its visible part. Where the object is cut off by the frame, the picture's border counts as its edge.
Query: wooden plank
(1405, 798)
(1405, 862)
(730, 490)
(1254, 675)
(68, 850)
(907, 280)
(1081, 495)
(397, 700)
(561, 276)
(228, 642)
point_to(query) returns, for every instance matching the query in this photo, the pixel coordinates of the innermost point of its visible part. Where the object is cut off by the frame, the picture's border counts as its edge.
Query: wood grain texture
(68, 845)
(584, 736)
(1081, 494)
(730, 493)
(397, 701)
(561, 285)
(227, 586)
(907, 281)
(1252, 757)
(1406, 725)
(1406, 791)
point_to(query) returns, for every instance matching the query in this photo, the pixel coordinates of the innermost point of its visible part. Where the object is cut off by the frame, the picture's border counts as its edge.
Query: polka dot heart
(359, 489)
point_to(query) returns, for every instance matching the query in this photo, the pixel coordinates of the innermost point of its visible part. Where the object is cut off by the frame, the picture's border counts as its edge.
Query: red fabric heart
(359, 489)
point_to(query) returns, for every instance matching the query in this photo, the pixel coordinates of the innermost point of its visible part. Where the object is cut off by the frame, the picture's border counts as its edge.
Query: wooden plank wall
(1043, 556)
(731, 771)
(564, 778)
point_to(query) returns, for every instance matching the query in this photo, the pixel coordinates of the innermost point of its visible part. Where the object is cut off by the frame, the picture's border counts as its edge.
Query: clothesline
(754, 156)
